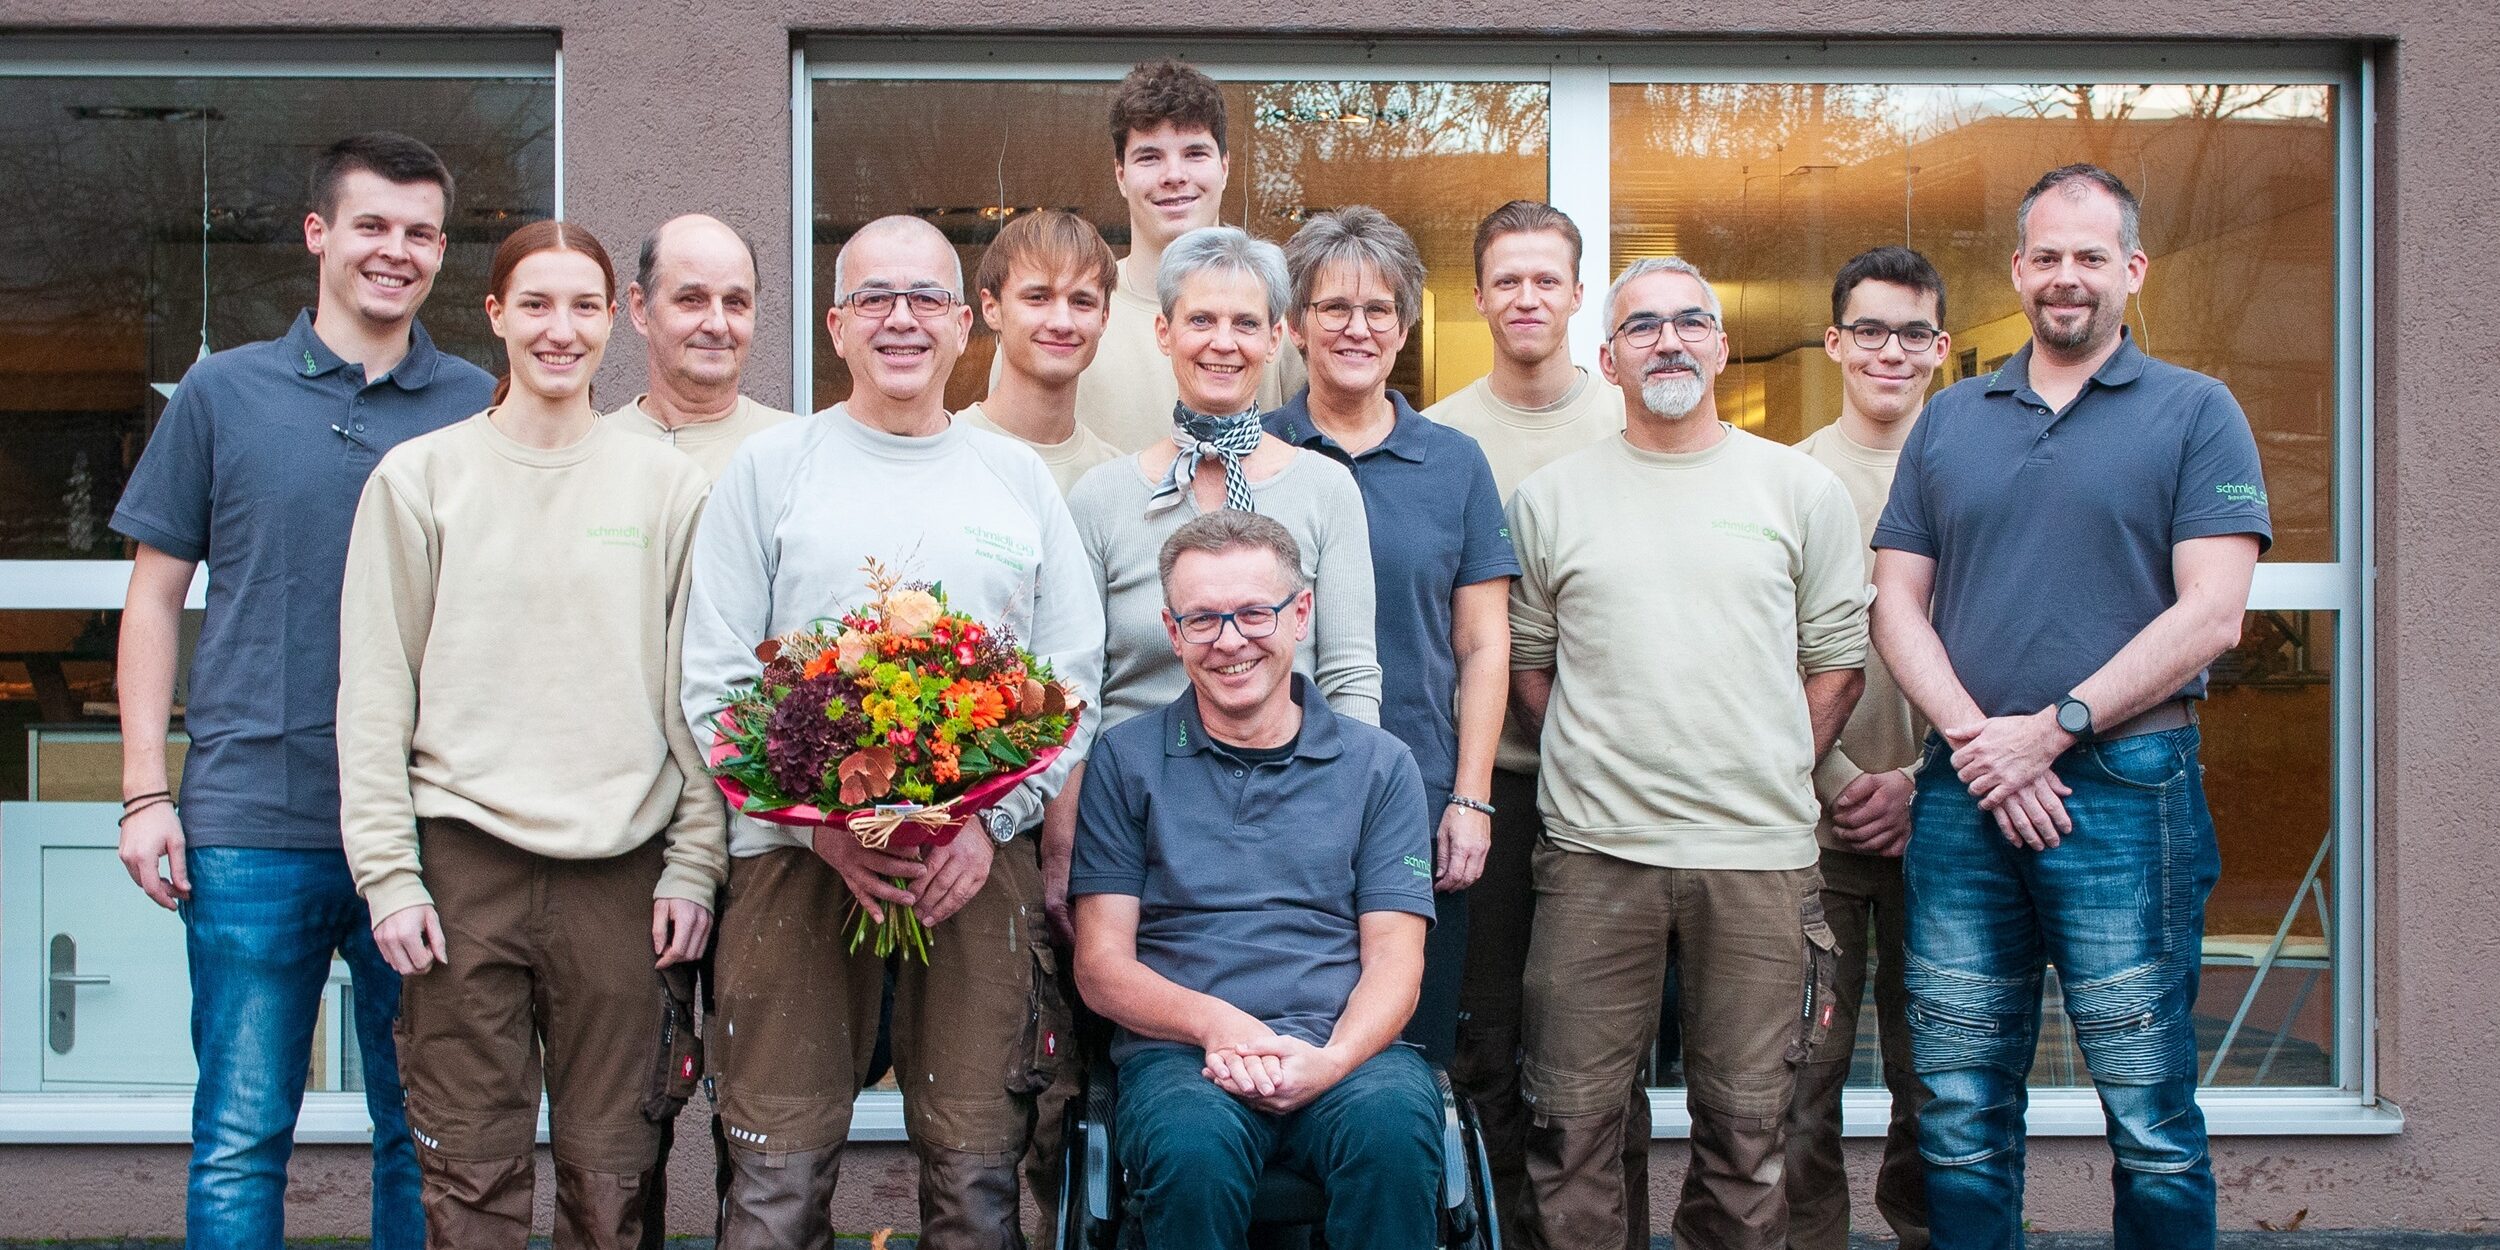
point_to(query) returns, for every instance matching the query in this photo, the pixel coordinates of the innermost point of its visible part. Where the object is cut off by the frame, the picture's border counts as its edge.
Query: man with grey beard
(1678, 798)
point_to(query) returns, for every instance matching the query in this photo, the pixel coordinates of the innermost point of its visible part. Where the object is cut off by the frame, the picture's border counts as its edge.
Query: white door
(115, 987)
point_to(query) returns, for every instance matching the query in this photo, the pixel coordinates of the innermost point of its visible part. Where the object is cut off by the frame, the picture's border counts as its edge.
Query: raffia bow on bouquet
(898, 721)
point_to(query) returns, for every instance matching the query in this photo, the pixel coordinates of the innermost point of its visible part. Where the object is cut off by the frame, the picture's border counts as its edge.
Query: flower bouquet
(898, 721)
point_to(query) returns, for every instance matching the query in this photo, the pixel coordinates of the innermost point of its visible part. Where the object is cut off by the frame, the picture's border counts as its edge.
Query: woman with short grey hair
(1441, 554)
(1223, 297)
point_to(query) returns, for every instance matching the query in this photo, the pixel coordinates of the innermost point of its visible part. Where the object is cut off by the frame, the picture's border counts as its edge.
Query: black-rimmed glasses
(924, 301)
(1642, 332)
(1870, 336)
(1254, 622)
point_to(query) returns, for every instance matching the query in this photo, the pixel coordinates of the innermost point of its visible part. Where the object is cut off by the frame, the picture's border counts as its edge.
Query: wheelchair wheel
(1468, 1218)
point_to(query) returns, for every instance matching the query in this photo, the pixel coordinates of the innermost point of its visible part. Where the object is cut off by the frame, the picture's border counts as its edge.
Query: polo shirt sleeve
(1905, 525)
(1110, 855)
(1393, 863)
(167, 504)
(1532, 631)
(2222, 485)
(1485, 550)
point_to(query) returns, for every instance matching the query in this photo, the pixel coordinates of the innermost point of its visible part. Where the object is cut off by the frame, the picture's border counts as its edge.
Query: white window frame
(1580, 76)
(34, 1118)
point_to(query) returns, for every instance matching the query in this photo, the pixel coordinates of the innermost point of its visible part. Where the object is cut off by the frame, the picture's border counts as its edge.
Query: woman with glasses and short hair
(1441, 555)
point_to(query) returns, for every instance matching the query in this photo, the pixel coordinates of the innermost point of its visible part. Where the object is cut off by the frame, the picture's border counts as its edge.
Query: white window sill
(165, 1118)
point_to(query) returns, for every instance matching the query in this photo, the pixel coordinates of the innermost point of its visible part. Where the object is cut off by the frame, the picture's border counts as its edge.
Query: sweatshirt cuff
(396, 892)
(684, 882)
(1833, 774)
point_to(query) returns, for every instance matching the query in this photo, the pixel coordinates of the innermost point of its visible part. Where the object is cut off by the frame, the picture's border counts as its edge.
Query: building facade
(2318, 208)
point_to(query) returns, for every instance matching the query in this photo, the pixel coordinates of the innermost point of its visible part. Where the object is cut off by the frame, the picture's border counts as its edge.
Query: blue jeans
(2119, 907)
(1372, 1142)
(261, 926)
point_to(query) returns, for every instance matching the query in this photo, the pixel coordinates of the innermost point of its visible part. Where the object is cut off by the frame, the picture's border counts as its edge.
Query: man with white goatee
(1687, 637)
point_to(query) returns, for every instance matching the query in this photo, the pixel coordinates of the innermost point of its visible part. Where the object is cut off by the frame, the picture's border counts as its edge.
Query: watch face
(2073, 716)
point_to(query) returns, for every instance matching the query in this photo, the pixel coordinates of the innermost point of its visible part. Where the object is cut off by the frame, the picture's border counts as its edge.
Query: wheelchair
(1097, 1211)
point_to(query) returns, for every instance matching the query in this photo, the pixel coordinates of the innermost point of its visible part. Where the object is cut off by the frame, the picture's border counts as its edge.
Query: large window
(156, 193)
(1768, 166)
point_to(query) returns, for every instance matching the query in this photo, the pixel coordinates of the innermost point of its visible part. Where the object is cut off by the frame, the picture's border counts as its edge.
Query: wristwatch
(2074, 716)
(1002, 827)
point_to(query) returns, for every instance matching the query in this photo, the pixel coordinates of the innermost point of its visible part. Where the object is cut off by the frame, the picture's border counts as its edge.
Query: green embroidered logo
(620, 536)
(1505, 531)
(311, 366)
(1749, 529)
(1422, 866)
(2241, 492)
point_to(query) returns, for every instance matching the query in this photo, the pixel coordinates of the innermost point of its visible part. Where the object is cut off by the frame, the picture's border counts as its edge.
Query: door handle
(62, 1019)
(89, 979)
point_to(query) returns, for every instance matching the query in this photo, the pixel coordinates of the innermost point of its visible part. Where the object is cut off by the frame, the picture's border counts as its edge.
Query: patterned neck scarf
(1199, 436)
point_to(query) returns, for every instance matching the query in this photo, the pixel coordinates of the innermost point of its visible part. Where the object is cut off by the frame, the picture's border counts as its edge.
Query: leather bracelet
(1473, 805)
(153, 800)
(152, 794)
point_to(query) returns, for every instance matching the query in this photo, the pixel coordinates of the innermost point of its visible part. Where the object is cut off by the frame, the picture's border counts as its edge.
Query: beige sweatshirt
(1884, 732)
(1066, 461)
(711, 443)
(1518, 442)
(1678, 598)
(1126, 395)
(509, 634)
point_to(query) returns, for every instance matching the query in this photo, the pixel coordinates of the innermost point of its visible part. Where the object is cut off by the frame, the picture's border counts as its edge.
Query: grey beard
(1670, 398)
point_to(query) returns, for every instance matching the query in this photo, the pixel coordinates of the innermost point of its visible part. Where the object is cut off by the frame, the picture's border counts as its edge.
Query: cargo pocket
(1042, 1044)
(680, 1052)
(1814, 1020)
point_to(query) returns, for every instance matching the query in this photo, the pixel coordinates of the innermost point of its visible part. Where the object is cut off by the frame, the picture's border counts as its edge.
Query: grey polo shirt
(1250, 876)
(255, 470)
(2051, 531)
(1436, 524)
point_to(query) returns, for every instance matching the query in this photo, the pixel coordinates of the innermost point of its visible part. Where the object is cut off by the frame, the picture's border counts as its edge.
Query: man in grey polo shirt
(2087, 520)
(1253, 882)
(255, 469)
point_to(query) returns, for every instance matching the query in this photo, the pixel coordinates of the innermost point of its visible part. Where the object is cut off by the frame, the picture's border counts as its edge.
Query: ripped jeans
(2119, 908)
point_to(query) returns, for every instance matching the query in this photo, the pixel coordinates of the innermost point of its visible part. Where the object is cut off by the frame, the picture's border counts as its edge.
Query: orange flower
(823, 663)
(944, 762)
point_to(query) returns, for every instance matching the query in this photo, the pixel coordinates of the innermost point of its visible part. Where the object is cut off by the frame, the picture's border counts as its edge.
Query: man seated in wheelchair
(1253, 882)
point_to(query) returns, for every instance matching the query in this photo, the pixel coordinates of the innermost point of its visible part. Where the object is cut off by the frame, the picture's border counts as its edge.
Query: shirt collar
(307, 356)
(1317, 740)
(2123, 366)
(1409, 435)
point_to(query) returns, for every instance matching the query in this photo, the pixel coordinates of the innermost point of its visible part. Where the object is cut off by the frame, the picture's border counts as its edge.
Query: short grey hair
(1225, 248)
(1363, 237)
(1661, 264)
(1225, 530)
(2075, 182)
(896, 223)
(647, 272)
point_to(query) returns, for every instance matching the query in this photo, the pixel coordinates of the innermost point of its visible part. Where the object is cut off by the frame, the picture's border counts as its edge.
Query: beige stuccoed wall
(675, 105)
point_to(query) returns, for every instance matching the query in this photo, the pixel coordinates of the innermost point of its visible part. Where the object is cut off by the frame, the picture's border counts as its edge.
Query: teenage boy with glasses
(255, 470)
(1887, 305)
(1678, 795)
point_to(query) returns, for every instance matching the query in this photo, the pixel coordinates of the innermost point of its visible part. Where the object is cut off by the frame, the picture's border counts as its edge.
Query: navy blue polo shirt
(1250, 876)
(1436, 525)
(2051, 531)
(255, 470)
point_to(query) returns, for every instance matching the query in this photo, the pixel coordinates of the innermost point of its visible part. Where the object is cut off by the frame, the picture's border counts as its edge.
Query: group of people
(1414, 737)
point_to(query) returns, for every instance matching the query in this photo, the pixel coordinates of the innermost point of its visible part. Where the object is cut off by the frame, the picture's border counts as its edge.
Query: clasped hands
(2005, 762)
(1270, 1071)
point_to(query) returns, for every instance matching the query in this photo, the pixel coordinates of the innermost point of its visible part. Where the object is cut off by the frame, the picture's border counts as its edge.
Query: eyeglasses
(1642, 332)
(925, 301)
(1334, 315)
(1870, 336)
(1253, 623)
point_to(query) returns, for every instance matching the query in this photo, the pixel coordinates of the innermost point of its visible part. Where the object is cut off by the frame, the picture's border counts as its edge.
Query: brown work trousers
(1501, 906)
(1756, 962)
(548, 967)
(978, 1031)
(1861, 901)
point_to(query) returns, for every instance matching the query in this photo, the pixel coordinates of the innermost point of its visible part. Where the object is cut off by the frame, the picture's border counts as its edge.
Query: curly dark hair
(1158, 93)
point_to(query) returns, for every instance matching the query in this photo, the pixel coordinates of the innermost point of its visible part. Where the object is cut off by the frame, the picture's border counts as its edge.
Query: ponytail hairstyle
(528, 241)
